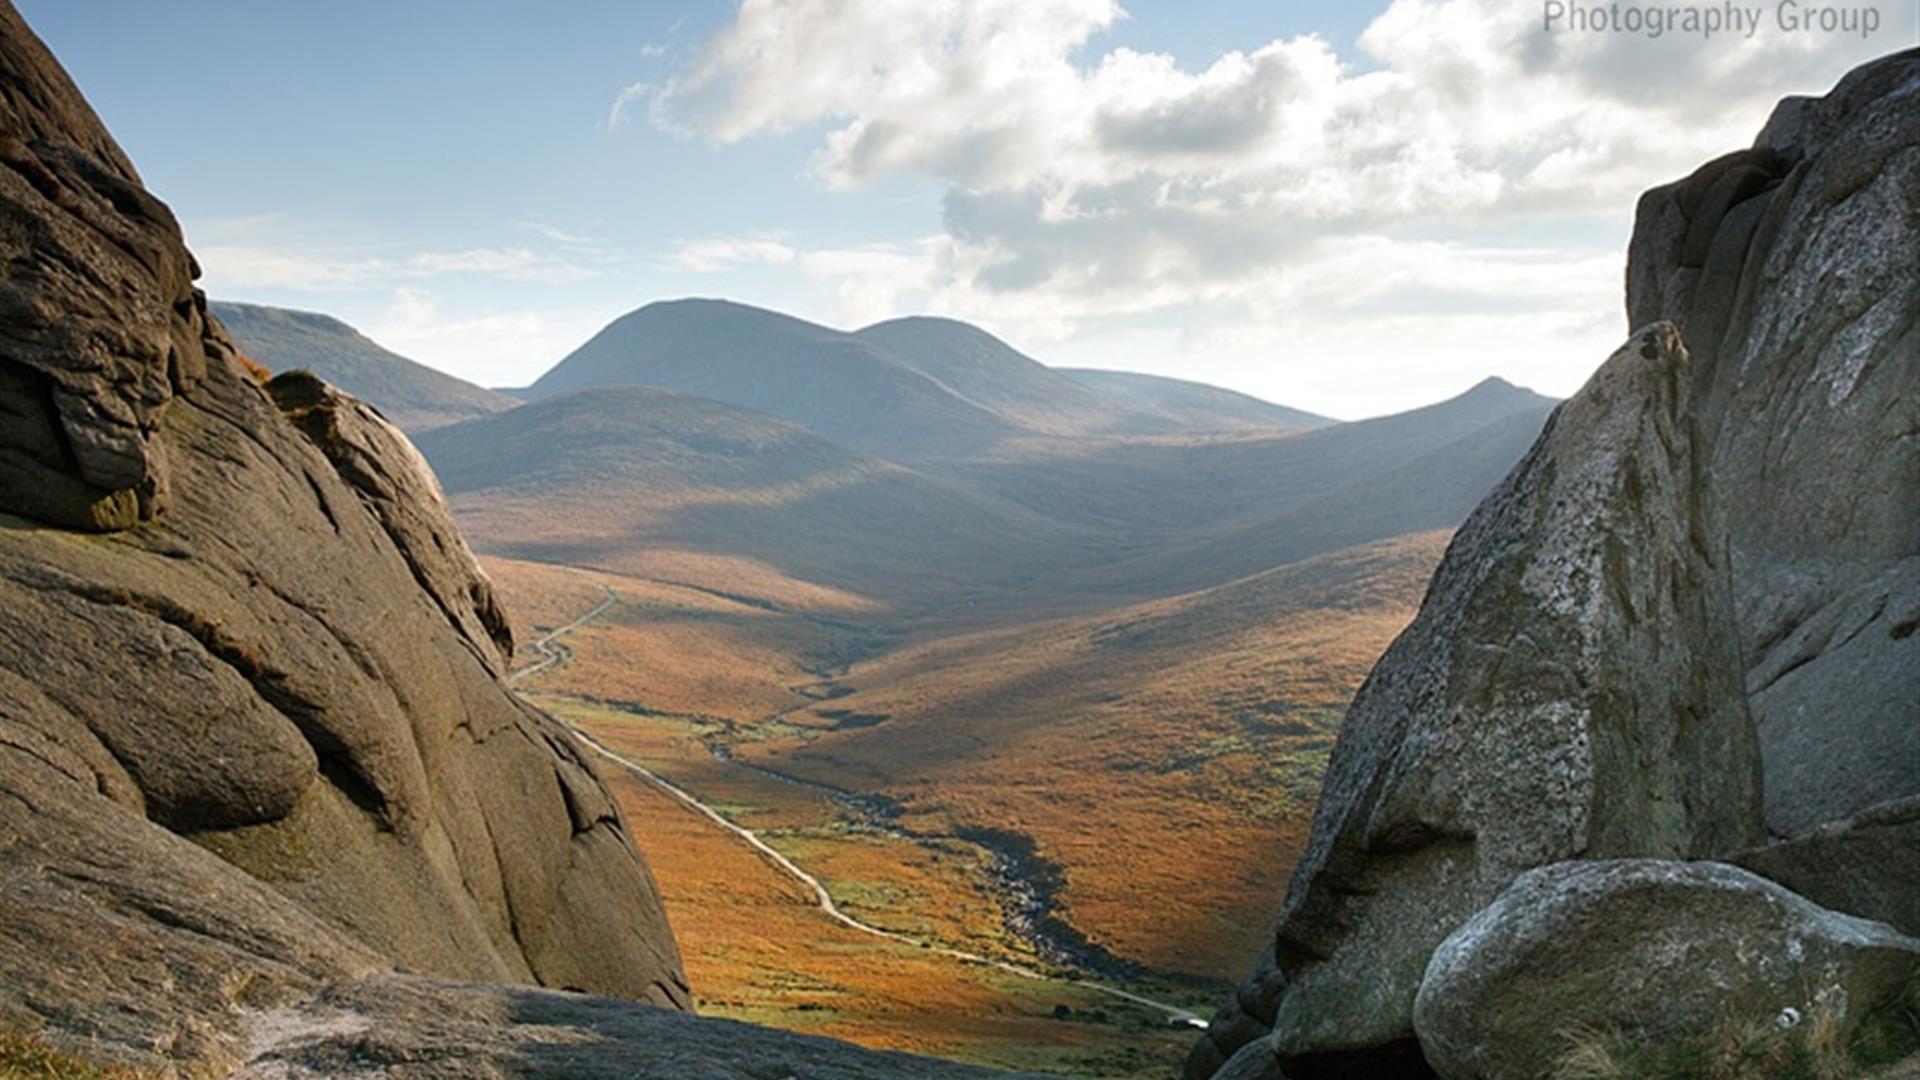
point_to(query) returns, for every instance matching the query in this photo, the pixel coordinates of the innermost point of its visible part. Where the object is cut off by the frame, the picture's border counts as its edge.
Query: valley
(1014, 793)
(1048, 693)
(743, 697)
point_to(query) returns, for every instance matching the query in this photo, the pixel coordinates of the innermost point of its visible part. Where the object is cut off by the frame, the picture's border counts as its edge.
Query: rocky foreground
(1641, 783)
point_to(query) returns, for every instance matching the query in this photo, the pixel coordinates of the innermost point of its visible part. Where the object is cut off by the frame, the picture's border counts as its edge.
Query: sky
(1343, 206)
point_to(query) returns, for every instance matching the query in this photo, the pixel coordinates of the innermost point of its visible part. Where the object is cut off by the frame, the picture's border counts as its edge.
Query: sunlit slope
(412, 395)
(1166, 750)
(632, 479)
(1189, 405)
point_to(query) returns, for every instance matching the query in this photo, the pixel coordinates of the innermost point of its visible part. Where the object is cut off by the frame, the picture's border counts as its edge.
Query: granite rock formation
(1789, 270)
(399, 1027)
(254, 734)
(267, 807)
(1682, 626)
(1662, 950)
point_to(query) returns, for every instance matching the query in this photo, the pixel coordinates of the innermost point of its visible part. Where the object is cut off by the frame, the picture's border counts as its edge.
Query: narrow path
(551, 654)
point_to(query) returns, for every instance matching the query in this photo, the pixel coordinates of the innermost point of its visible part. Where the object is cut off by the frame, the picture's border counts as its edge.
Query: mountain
(988, 371)
(914, 389)
(637, 480)
(1184, 404)
(1434, 484)
(604, 477)
(843, 388)
(1156, 492)
(412, 395)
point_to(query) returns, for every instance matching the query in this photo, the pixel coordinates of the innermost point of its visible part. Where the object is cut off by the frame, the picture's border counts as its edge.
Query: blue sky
(1341, 206)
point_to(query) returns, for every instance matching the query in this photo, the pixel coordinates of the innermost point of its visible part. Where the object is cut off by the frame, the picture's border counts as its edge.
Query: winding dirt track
(551, 654)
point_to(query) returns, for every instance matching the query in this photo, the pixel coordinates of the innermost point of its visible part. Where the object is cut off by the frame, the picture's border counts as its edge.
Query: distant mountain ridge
(911, 389)
(595, 476)
(1185, 402)
(921, 458)
(412, 395)
(841, 387)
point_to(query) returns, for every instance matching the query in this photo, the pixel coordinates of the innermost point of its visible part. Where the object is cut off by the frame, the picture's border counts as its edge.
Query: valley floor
(1002, 837)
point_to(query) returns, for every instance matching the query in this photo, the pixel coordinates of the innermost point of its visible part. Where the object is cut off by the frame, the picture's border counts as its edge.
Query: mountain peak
(412, 395)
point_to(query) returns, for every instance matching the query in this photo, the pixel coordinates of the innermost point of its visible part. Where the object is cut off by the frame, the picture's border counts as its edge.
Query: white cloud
(722, 253)
(493, 348)
(629, 96)
(257, 266)
(1273, 189)
(564, 238)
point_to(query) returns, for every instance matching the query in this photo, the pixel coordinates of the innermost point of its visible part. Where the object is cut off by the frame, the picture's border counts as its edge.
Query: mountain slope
(1433, 488)
(1155, 493)
(983, 369)
(613, 477)
(841, 387)
(1187, 404)
(412, 395)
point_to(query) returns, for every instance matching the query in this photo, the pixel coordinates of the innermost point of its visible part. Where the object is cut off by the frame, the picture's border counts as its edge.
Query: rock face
(1685, 619)
(1789, 269)
(1565, 691)
(253, 733)
(1867, 865)
(1658, 953)
(256, 752)
(104, 328)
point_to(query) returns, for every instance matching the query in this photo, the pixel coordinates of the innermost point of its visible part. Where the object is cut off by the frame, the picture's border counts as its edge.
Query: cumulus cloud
(1103, 182)
(492, 347)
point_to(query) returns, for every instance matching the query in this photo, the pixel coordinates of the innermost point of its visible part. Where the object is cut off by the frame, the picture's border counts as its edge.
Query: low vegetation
(26, 1057)
(1820, 1045)
(939, 783)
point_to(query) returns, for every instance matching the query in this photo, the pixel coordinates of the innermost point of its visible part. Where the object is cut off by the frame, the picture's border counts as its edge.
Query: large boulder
(1659, 959)
(1867, 865)
(253, 730)
(1789, 270)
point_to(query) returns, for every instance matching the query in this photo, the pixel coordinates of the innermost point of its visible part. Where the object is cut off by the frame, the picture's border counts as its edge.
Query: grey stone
(1868, 865)
(1255, 1061)
(1804, 323)
(1658, 953)
(1790, 495)
(1568, 689)
(1825, 762)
